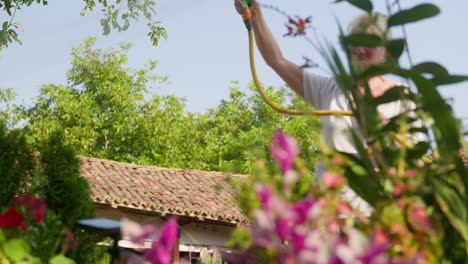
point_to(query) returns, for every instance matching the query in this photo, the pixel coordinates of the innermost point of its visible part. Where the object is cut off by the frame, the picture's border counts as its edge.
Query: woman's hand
(240, 7)
(243, 9)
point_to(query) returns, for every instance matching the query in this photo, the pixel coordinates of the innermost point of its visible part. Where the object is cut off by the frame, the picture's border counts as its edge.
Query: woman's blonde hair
(375, 23)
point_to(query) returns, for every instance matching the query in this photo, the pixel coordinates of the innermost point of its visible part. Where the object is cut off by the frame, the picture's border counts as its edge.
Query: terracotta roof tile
(193, 193)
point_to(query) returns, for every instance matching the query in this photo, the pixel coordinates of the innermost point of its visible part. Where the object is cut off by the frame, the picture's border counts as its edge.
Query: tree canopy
(110, 111)
(116, 15)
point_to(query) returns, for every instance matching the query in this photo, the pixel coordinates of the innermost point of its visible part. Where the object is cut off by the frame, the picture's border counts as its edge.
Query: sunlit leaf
(16, 249)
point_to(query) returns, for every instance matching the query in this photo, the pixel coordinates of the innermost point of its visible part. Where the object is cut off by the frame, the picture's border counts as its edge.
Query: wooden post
(175, 251)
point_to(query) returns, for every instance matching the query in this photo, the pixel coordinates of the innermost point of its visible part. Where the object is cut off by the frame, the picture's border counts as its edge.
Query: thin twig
(406, 37)
(13, 16)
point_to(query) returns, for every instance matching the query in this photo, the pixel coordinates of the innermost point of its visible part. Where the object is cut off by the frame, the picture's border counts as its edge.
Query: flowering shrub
(30, 234)
(417, 189)
(317, 228)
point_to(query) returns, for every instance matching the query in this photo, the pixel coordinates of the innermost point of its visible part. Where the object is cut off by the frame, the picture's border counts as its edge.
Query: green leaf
(419, 150)
(431, 67)
(16, 249)
(376, 70)
(391, 95)
(365, 5)
(414, 14)
(359, 179)
(61, 259)
(363, 40)
(453, 206)
(106, 28)
(446, 126)
(450, 79)
(396, 47)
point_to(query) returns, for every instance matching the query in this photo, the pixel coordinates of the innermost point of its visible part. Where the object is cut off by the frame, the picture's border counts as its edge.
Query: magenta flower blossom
(161, 249)
(135, 232)
(264, 195)
(301, 210)
(284, 149)
(169, 233)
(283, 228)
(158, 255)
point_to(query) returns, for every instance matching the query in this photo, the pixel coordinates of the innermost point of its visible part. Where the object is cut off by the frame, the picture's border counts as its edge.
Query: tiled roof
(199, 194)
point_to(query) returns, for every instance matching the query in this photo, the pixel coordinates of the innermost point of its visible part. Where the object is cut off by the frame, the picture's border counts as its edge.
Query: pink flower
(161, 249)
(264, 195)
(411, 173)
(135, 232)
(158, 255)
(284, 149)
(398, 189)
(338, 160)
(70, 240)
(419, 218)
(169, 233)
(381, 237)
(344, 208)
(32, 205)
(331, 180)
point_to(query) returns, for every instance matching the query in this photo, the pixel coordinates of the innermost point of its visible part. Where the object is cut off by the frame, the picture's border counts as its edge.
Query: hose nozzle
(247, 17)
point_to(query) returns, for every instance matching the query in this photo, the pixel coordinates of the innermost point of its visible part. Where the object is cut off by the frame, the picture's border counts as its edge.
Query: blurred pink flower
(70, 240)
(264, 195)
(158, 255)
(338, 160)
(419, 218)
(331, 180)
(284, 149)
(135, 232)
(283, 228)
(381, 237)
(161, 249)
(344, 208)
(411, 173)
(398, 189)
(301, 209)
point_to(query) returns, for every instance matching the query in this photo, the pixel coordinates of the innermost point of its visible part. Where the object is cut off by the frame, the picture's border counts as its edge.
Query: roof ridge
(190, 171)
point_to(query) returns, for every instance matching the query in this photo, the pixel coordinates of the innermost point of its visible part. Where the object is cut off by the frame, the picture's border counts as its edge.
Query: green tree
(117, 15)
(107, 111)
(239, 130)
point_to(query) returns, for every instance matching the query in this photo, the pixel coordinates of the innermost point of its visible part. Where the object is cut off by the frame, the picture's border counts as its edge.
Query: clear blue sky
(207, 45)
